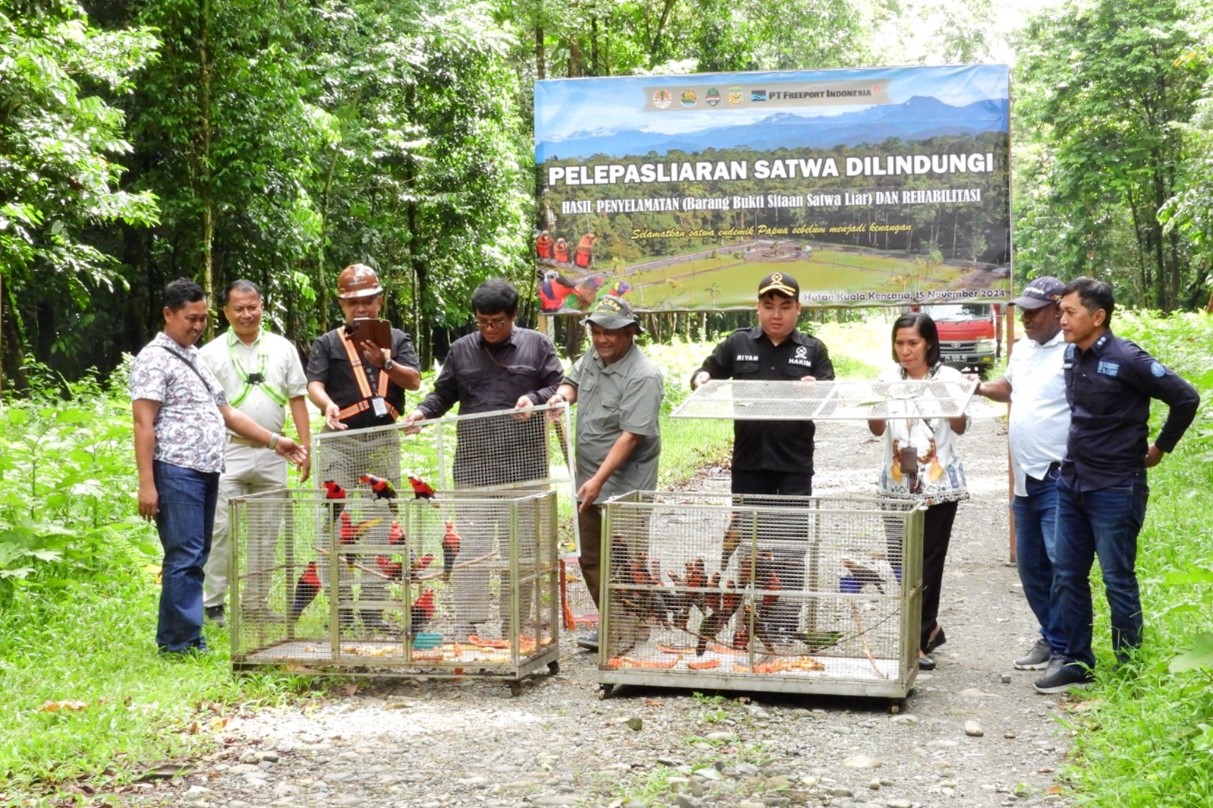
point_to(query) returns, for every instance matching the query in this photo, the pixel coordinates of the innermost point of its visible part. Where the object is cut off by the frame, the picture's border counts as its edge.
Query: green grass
(727, 275)
(93, 644)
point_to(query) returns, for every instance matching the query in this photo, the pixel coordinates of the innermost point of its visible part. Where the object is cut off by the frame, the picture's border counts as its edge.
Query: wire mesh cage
(460, 583)
(789, 594)
(751, 400)
(527, 450)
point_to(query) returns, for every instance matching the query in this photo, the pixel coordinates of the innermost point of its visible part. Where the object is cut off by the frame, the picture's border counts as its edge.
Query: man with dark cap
(773, 457)
(618, 393)
(1039, 423)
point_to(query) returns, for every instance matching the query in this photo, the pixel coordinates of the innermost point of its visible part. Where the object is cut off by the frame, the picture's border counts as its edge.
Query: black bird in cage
(860, 576)
(724, 606)
(382, 489)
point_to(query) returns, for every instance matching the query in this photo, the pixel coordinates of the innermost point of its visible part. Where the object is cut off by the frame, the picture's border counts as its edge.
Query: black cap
(780, 283)
(1040, 292)
(613, 312)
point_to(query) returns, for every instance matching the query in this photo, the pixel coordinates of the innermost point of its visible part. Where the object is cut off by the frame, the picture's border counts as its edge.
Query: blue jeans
(186, 519)
(1035, 524)
(1102, 523)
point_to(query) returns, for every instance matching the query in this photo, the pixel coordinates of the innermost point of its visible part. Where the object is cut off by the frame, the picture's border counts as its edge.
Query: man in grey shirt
(618, 392)
(499, 367)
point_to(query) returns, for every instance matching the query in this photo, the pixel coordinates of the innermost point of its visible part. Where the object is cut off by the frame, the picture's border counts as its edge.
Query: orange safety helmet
(358, 280)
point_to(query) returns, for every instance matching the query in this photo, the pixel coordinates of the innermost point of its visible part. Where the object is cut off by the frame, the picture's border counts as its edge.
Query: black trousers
(936, 536)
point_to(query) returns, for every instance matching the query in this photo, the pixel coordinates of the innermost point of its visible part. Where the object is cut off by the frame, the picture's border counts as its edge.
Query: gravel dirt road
(971, 733)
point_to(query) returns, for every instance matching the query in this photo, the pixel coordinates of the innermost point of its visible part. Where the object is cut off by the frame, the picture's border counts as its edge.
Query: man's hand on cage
(524, 405)
(411, 422)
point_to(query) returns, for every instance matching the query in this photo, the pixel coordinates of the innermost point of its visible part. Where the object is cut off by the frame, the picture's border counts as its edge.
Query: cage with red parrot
(427, 549)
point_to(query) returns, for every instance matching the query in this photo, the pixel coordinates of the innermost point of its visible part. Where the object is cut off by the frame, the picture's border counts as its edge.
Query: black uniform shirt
(329, 364)
(1109, 387)
(749, 355)
(482, 378)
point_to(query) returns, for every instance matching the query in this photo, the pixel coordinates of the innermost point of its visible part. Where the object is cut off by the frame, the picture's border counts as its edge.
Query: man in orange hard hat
(359, 386)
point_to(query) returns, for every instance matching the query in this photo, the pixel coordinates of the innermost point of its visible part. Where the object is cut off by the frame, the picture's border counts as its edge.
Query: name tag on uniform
(379, 406)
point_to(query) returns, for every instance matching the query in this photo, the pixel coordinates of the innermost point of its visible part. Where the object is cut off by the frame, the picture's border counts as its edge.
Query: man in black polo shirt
(357, 385)
(499, 367)
(772, 457)
(1102, 491)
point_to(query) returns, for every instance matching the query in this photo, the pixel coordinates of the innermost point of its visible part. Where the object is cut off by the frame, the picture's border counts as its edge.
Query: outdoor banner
(873, 186)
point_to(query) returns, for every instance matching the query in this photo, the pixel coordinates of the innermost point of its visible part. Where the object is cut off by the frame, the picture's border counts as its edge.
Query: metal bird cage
(460, 584)
(503, 450)
(806, 595)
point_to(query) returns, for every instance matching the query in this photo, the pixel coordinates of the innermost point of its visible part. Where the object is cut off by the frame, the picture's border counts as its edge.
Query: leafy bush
(66, 470)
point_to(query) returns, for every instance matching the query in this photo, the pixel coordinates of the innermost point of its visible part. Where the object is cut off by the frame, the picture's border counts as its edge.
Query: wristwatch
(388, 364)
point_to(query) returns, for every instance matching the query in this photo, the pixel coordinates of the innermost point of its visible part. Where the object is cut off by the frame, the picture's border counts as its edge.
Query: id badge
(379, 406)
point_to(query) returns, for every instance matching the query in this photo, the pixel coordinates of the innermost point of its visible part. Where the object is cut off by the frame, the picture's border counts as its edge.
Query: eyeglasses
(491, 322)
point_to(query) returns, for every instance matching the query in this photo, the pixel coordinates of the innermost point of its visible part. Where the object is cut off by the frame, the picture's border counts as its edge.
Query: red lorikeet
(451, 541)
(350, 532)
(421, 489)
(382, 489)
(306, 589)
(421, 612)
(334, 491)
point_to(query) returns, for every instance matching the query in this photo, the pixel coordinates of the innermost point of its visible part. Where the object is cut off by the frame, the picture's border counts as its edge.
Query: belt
(245, 441)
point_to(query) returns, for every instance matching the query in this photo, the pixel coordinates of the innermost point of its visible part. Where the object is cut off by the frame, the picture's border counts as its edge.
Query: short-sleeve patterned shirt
(189, 425)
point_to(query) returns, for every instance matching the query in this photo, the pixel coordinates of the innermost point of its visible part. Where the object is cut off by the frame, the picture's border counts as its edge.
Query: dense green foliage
(1104, 92)
(142, 141)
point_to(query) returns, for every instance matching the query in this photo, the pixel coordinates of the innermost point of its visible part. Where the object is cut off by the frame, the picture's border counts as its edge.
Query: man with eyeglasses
(263, 377)
(498, 367)
(358, 384)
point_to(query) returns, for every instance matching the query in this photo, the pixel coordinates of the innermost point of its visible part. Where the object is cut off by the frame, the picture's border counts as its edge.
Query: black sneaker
(1037, 659)
(589, 642)
(1062, 678)
(215, 615)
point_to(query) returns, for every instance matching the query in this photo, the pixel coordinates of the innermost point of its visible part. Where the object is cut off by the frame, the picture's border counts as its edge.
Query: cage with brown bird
(772, 615)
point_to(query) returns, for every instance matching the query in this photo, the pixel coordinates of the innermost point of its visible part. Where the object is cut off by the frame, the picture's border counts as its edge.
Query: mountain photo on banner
(872, 186)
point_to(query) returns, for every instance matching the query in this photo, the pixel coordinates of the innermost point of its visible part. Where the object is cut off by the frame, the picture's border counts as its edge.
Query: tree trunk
(541, 65)
(207, 196)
